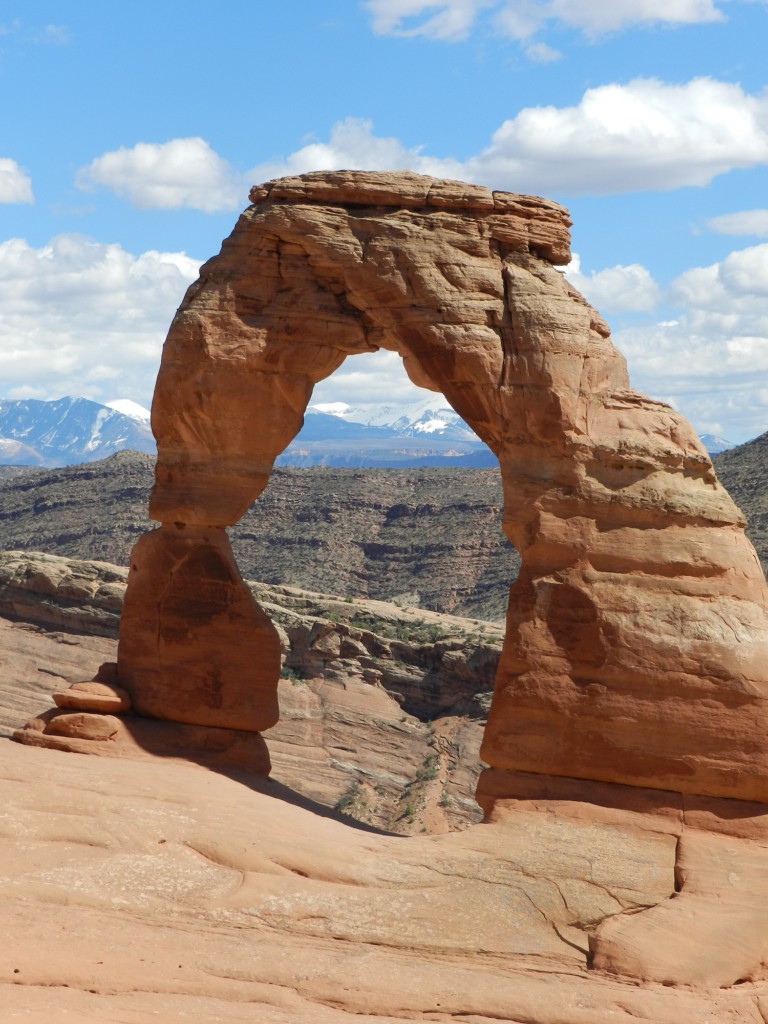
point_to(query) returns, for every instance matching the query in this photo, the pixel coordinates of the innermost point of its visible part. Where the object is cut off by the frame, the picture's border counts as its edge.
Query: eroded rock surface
(637, 639)
(381, 708)
(155, 889)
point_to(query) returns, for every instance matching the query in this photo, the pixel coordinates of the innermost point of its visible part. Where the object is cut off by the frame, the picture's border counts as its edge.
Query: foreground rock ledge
(179, 894)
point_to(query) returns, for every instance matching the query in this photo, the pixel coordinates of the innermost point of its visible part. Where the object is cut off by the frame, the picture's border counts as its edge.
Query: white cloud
(595, 17)
(744, 222)
(620, 289)
(713, 359)
(83, 318)
(542, 53)
(58, 34)
(352, 144)
(168, 175)
(15, 184)
(446, 19)
(643, 135)
(452, 20)
(369, 379)
(646, 134)
(736, 285)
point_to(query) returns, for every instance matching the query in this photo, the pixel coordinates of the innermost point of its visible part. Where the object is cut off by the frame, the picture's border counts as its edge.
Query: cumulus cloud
(352, 144)
(646, 134)
(744, 222)
(452, 20)
(620, 289)
(712, 359)
(15, 184)
(370, 379)
(167, 175)
(83, 318)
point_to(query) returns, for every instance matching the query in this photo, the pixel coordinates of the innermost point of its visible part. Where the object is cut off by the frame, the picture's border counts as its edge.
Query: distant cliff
(744, 472)
(426, 537)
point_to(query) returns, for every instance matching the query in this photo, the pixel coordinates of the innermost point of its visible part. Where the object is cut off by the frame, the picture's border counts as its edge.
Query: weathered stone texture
(194, 645)
(637, 636)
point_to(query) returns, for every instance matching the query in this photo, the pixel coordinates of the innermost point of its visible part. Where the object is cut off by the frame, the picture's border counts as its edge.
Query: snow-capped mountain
(715, 444)
(131, 409)
(429, 433)
(430, 416)
(67, 431)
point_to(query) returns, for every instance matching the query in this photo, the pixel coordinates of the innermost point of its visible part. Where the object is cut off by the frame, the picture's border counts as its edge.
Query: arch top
(532, 221)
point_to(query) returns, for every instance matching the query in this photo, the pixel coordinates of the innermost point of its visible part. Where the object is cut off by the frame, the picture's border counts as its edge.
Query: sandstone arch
(636, 635)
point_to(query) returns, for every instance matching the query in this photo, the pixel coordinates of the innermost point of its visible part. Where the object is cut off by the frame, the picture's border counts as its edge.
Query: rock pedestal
(194, 645)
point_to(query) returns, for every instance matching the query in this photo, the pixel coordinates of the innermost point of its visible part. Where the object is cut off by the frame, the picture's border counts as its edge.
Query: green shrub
(428, 769)
(353, 797)
(293, 676)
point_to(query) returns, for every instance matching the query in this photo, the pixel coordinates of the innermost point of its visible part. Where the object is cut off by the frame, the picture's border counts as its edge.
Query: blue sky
(130, 134)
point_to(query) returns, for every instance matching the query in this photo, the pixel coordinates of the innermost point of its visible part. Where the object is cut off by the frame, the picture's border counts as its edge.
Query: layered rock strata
(636, 634)
(382, 708)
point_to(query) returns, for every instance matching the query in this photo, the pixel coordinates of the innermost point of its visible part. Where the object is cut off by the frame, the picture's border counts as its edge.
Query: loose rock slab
(92, 695)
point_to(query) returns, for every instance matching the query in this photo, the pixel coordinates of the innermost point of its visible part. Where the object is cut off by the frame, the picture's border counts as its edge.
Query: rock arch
(637, 643)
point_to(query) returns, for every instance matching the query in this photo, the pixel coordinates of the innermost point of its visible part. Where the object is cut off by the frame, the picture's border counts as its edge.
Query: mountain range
(74, 430)
(69, 430)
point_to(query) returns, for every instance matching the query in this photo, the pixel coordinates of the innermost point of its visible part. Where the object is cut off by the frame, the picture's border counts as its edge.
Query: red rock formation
(194, 645)
(637, 636)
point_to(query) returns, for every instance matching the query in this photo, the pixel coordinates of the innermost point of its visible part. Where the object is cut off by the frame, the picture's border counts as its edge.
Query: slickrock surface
(142, 889)
(637, 636)
(137, 891)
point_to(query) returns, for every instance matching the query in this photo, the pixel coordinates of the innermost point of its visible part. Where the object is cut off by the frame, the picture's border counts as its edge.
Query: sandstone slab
(92, 695)
(307, 918)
